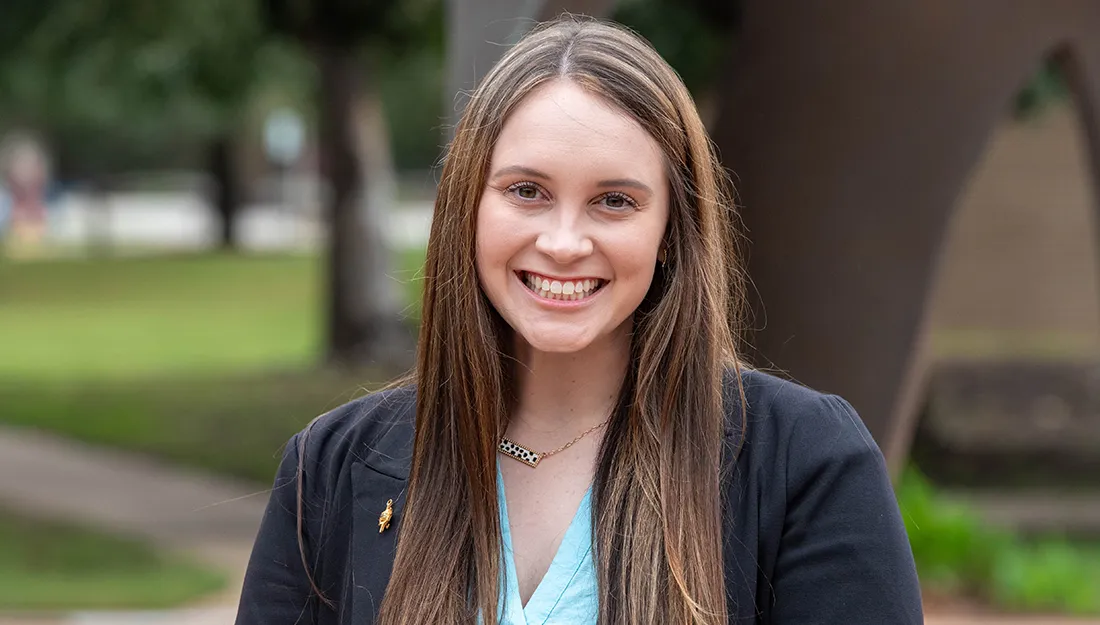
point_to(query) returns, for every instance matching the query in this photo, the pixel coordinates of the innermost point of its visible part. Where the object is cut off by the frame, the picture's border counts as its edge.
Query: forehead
(562, 124)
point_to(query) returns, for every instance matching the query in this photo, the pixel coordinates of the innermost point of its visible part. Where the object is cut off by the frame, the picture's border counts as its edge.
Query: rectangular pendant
(519, 452)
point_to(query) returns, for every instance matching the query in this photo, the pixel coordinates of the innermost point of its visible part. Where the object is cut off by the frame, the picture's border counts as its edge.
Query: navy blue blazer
(813, 534)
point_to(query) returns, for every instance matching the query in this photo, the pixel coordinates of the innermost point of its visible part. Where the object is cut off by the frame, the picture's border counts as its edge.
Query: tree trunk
(379, 199)
(475, 31)
(226, 188)
(364, 317)
(478, 32)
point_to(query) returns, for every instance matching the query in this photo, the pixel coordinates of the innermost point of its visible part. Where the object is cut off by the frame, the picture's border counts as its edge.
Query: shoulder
(376, 429)
(816, 506)
(779, 407)
(796, 427)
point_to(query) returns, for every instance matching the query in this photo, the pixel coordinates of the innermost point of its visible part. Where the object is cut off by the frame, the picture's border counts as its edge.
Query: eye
(618, 202)
(526, 191)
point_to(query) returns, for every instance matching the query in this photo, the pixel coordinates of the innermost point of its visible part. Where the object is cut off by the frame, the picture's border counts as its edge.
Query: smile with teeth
(567, 290)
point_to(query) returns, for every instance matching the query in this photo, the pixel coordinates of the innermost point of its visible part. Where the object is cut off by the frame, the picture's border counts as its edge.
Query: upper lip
(561, 279)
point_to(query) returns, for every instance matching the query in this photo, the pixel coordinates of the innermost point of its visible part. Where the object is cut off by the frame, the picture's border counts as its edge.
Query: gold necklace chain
(546, 454)
(531, 457)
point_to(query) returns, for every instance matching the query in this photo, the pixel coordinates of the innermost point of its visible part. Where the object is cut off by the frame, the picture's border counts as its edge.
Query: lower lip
(561, 304)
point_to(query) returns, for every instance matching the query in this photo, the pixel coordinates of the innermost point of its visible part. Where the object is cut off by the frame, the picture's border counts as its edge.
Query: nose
(563, 240)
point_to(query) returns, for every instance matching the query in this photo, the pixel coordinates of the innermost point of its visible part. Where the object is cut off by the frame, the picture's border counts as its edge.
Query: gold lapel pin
(385, 518)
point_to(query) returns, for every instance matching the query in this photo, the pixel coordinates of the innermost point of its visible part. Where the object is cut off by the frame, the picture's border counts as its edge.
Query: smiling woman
(561, 220)
(580, 442)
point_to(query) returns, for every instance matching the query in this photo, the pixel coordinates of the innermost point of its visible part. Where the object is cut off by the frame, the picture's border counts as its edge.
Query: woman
(580, 444)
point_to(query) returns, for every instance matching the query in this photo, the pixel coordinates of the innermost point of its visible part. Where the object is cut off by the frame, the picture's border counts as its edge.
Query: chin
(551, 344)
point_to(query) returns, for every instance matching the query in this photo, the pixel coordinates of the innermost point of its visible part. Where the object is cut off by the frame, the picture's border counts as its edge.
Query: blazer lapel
(379, 477)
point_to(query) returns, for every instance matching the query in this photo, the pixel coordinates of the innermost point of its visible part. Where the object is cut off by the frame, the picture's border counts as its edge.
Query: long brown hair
(657, 507)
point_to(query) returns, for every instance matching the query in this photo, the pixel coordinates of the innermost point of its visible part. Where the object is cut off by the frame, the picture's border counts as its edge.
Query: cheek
(634, 252)
(634, 260)
(483, 237)
(638, 268)
(494, 239)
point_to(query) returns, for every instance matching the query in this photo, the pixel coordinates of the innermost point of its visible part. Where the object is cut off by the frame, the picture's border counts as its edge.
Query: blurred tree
(345, 38)
(225, 44)
(692, 35)
(100, 76)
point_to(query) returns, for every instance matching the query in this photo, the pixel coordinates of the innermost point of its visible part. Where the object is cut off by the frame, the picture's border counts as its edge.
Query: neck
(570, 391)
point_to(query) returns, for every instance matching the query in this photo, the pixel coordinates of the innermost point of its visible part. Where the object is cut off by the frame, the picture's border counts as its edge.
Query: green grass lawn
(132, 318)
(48, 566)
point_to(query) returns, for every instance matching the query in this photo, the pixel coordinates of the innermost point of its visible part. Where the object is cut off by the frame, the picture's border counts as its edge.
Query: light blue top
(567, 594)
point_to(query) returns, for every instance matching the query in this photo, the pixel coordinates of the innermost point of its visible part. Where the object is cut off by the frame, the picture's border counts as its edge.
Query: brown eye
(526, 191)
(618, 202)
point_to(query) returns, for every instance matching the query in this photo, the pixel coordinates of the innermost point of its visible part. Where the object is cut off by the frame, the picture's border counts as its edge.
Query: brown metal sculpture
(852, 128)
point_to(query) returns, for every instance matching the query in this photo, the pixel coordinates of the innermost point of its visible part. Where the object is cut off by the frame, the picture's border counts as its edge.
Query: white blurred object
(284, 136)
(184, 221)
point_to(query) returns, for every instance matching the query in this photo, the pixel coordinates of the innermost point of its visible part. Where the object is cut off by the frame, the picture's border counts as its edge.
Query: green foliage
(131, 84)
(92, 63)
(329, 22)
(130, 78)
(54, 566)
(692, 36)
(957, 553)
(1051, 574)
(1046, 87)
(411, 87)
(952, 548)
(389, 24)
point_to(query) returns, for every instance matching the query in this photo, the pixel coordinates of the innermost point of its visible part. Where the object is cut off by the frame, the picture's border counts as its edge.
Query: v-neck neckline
(575, 548)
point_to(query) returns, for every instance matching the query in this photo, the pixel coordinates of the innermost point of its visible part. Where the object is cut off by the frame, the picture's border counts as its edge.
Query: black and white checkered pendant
(519, 452)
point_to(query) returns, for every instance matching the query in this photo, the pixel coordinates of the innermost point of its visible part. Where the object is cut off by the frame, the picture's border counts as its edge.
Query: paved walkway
(211, 519)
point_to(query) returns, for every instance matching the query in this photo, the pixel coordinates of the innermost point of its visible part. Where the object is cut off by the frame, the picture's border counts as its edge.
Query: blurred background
(213, 216)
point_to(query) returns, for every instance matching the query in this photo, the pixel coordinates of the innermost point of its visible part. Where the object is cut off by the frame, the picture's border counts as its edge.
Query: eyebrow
(520, 169)
(625, 182)
(535, 173)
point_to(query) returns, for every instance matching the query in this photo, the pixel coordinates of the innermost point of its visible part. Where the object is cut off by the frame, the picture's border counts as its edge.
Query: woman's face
(572, 218)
